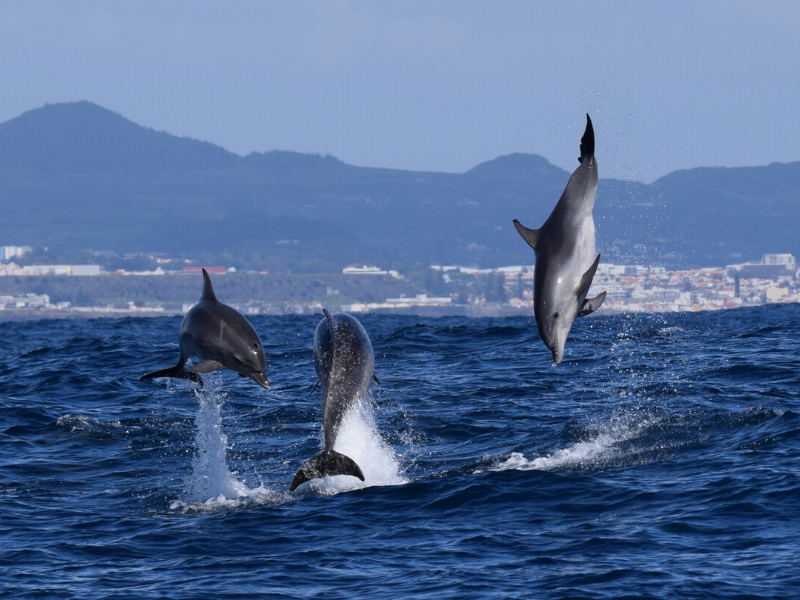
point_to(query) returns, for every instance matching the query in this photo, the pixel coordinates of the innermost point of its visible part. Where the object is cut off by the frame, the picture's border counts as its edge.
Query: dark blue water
(661, 459)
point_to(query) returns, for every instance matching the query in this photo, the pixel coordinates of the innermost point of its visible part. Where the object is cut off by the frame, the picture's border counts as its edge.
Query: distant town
(434, 290)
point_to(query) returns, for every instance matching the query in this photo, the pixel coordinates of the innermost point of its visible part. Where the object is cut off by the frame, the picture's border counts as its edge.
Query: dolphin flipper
(592, 304)
(529, 235)
(177, 371)
(325, 464)
(206, 366)
(586, 280)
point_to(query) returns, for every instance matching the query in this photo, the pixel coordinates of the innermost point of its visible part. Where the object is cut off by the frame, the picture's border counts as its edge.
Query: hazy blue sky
(428, 85)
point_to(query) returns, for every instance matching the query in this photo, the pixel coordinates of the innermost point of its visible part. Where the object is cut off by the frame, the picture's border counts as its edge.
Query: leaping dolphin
(565, 249)
(219, 336)
(345, 363)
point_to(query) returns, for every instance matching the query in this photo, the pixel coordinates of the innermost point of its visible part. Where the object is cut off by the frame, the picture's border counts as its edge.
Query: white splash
(359, 439)
(674, 329)
(211, 485)
(603, 446)
(577, 455)
(77, 423)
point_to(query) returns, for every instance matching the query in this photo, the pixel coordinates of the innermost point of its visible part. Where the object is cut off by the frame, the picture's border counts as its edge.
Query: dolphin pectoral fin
(592, 304)
(375, 378)
(586, 280)
(206, 366)
(529, 235)
(177, 371)
(587, 141)
(325, 464)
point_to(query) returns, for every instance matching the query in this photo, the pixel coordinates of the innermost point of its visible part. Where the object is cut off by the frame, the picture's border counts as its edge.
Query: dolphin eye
(555, 315)
(255, 345)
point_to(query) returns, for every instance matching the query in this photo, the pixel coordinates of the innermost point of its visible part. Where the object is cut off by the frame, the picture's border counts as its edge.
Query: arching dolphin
(220, 337)
(565, 249)
(345, 364)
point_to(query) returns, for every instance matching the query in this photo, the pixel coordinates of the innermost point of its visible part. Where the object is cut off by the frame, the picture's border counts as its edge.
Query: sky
(428, 85)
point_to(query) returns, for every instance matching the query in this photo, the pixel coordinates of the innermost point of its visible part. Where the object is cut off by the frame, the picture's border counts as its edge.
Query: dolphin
(565, 254)
(219, 336)
(345, 363)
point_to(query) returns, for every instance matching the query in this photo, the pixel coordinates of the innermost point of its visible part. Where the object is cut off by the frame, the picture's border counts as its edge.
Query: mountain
(76, 175)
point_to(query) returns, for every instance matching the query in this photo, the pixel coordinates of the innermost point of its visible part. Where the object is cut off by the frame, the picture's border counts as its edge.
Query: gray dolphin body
(565, 251)
(345, 364)
(219, 336)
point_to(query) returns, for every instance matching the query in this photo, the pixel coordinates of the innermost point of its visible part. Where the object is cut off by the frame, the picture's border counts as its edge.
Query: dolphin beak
(557, 357)
(260, 379)
(558, 352)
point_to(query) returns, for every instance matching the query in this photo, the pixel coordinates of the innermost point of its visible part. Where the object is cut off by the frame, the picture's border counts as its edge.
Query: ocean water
(661, 459)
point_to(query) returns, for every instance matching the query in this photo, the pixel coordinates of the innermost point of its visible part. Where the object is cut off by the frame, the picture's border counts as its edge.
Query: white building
(419, 300)
(364, 270)
(12, 269)
(27, 301)
(10, 252)
(787, 260)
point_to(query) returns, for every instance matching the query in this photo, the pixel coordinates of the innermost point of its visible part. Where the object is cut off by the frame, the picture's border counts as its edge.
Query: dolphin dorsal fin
(587, 141)
(586, 280)
(208, 289)
(529, 235)
(331, 324)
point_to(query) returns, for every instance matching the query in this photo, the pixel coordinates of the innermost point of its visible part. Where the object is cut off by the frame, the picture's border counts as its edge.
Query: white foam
(78, 423)
(211, 486)
(359, 439)
(248, 497)
(673, 329)
(577, 455)
(603, 446)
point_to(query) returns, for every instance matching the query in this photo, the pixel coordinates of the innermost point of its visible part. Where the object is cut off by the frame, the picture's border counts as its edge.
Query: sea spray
(210, 477)
(359, 439)
(610, 442)
(211, 485)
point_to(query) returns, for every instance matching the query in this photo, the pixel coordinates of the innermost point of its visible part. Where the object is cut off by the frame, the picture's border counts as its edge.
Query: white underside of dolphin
(566, 258)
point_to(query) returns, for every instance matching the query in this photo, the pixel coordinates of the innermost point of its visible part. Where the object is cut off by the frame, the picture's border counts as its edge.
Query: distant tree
(495, 288)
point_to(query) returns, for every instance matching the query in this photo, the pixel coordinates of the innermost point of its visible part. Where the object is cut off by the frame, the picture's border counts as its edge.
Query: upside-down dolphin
(345, 363)
(565, 254)
(219, 336)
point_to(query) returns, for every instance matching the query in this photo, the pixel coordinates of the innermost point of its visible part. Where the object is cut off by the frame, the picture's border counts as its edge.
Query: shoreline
(476, 312)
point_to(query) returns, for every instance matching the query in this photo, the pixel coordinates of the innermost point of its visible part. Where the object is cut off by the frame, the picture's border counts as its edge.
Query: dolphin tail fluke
(592, 304)
(177, 371)
(325, 464)
(587, 141)
(529, 235)
(586, 280)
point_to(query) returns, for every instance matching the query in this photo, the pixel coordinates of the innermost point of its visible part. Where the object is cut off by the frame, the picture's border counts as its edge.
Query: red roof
(209, 269)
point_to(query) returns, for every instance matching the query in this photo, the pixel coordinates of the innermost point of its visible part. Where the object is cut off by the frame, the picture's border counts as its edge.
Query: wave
(636, 439)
